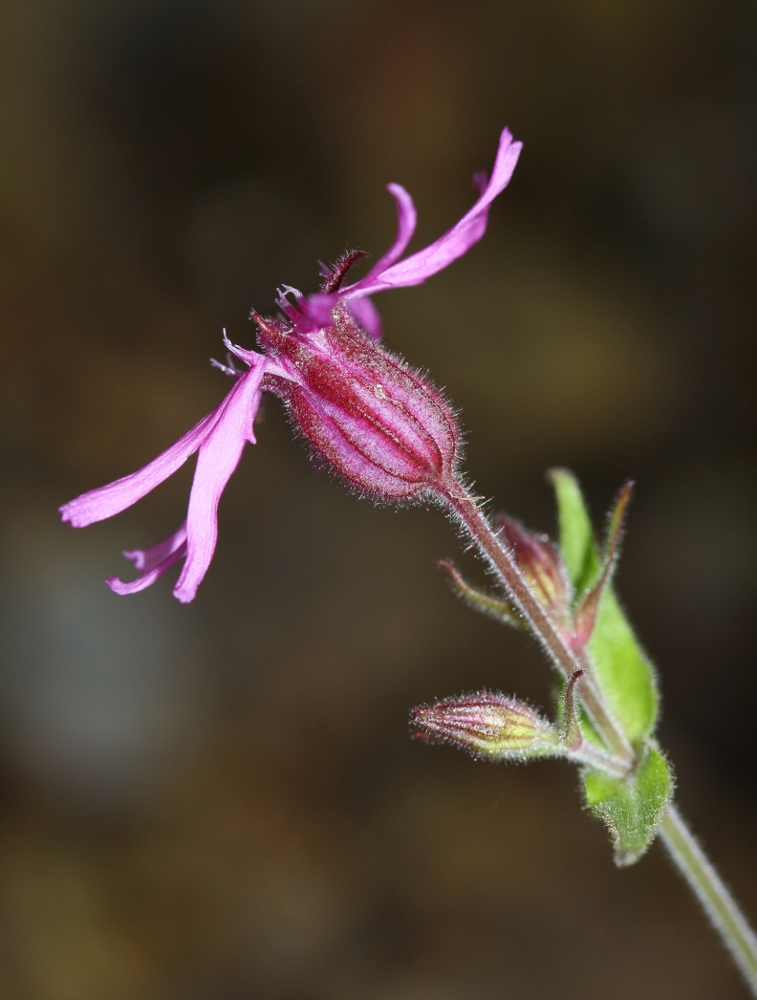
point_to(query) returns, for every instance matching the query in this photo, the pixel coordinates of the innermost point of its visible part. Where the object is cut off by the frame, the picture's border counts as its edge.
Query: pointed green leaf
(586, 610)
(623, 671)
(621, 668)
(576, 535)
(631, 807)
(481, 600)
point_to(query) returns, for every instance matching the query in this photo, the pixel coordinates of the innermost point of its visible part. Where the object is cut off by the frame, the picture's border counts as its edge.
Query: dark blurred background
(221, 800)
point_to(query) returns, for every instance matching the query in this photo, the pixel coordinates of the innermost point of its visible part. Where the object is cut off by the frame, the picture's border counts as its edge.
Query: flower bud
(488, 725)
(541, 566)
(384, 427)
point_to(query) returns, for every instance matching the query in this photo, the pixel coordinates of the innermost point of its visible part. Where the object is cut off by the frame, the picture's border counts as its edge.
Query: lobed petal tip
(185, 594)
(122, 587)
(68, 514)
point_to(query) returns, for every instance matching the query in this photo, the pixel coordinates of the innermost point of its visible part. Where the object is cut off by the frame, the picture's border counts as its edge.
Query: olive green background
(221, 800)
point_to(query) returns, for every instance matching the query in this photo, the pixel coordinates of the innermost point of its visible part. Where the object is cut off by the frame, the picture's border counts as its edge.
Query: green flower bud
(488, 725)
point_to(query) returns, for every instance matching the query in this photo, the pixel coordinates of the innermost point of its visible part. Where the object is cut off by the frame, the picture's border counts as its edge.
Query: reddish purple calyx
(384, 428)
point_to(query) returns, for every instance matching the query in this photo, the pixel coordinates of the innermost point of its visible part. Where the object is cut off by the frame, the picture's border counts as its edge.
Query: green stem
(718, 903)
(539, 620)
(707, 886)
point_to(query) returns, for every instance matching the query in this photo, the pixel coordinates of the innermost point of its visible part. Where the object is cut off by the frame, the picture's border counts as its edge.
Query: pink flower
(383, 427)
(390, 271)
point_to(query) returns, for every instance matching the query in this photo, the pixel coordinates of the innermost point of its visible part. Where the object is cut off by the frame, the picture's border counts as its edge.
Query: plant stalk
(688, 856)
(541, 624)
(716, 900)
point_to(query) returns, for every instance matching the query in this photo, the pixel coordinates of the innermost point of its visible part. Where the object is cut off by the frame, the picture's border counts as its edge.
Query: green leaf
(623, 671)
(585, 614)
(621, 667)
(631, 807)
(577, 547)
(481, 600)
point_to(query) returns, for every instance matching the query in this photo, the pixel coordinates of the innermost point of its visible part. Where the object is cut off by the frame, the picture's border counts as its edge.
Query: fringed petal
(219, 438)
(152, 563)
(145, 560)
(218, 457)
(414, 270)
(112, 499)
(368, 317)
(407, 219)
(315, 312)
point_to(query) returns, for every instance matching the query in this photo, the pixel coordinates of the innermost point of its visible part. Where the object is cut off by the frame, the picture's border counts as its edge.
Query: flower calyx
(383, 427)
(488, 725)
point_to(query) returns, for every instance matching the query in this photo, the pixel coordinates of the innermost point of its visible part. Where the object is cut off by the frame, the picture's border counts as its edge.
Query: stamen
(228, 369)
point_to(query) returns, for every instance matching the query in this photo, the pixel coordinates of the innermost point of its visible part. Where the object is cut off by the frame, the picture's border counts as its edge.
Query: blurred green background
(221, 800)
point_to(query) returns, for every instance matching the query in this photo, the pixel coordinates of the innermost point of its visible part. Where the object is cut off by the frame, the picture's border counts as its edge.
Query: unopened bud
(488, 725)
(541, 565)
(384, 427)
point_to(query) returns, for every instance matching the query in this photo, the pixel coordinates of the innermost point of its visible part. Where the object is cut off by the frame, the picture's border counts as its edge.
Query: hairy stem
(719, 905)
(707, 886)
(502, 562)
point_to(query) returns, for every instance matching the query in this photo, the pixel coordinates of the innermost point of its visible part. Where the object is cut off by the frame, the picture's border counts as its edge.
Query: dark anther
(339, 271)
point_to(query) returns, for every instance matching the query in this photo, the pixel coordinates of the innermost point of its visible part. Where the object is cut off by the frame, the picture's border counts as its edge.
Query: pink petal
(317, 313)
(455, 242)
(115, 497)
(367, 316)
(153, 563)
(251, 358)
(218, 457)
(407, 219)
(146, 560)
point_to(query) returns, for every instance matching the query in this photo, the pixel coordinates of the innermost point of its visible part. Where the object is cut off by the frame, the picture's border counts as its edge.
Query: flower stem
(707, 886)
(564, 658)
(719, 905)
